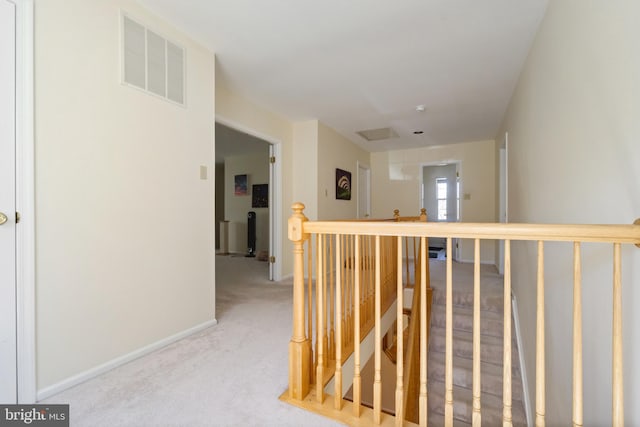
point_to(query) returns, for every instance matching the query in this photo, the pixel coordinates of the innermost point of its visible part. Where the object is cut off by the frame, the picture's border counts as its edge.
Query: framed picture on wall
(241, 185)
(343, 185)
(260, 196)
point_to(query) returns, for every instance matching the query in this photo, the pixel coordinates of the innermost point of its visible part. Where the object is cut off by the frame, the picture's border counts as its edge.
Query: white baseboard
(119, 361)
(523, 370)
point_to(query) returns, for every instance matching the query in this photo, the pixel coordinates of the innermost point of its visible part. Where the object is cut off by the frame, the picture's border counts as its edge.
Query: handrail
(301, 354)
(513, 231)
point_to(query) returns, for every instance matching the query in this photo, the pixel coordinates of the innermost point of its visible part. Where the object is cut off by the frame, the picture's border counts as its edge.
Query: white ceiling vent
(378, 134)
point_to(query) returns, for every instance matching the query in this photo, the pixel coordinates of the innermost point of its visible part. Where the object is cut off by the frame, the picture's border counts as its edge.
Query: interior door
(8, 346)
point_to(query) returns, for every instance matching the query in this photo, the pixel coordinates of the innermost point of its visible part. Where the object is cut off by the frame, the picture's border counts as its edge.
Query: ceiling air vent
(378, 134)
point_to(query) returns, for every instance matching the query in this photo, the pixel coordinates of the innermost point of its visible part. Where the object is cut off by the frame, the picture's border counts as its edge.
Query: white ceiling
(366, 64)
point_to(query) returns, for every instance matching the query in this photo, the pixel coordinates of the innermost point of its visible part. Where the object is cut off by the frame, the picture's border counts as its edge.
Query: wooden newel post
(423, 214)
(300, 345)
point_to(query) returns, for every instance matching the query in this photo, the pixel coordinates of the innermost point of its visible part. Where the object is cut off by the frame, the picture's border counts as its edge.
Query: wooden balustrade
(359, 271)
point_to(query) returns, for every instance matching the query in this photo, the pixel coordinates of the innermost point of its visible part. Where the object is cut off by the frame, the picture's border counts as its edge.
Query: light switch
(203, 172)
(467, 196)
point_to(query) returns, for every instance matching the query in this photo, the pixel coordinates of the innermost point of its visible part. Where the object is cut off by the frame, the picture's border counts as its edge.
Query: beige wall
(397, 182)
(236, 111)
(335, 151)
(125, 236)
(305, 166)
(575, 157)
(256, 166)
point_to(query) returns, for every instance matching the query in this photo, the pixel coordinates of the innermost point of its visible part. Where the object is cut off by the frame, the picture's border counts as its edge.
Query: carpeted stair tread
(491, 375)
(491, 348)
(491, 406)
(491, 322)
(437, 420)
(489, 301)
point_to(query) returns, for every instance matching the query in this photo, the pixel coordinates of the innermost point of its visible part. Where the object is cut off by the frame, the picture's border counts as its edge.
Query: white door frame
(25, 202)
(456, 250)
(362, 166)
(275, 194)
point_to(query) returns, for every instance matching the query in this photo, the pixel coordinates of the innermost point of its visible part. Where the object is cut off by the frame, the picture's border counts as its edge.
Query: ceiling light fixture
(420, 108)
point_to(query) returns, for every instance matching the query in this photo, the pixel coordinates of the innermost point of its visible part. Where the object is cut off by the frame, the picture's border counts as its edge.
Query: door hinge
(272, 159)
(17, 217)
(272, 259)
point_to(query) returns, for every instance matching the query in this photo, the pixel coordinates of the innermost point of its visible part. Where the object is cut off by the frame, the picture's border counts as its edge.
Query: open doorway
(441, 199)
(245, 197)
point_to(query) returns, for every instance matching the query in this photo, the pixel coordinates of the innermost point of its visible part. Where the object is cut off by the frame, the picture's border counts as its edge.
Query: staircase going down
(491, 356)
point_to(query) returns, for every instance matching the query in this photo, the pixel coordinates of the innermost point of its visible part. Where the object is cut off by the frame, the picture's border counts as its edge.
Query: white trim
(119, 361)
(25, 194)
(276, 217)
(523, 371)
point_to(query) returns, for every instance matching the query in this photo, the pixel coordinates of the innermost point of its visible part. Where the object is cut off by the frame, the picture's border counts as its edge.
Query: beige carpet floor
(228, 375)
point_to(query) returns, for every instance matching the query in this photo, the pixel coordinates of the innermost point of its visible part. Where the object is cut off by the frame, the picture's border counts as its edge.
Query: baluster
(300, 345)
(338, 341)
(448, 394)
(399, 340)
(312, 371)
(332, 308)
(477, 417)
(618, 386)
(325, 335)
(357, 387)
(406, 246)
(422, 399)
(377, 379)
(349, 297)
(320, 322)
(540, 362)
(577, 336)
(506, 375)
(372, 285)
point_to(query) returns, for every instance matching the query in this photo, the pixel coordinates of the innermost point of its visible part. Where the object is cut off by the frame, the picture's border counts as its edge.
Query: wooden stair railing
(418, 337)
(350, 294)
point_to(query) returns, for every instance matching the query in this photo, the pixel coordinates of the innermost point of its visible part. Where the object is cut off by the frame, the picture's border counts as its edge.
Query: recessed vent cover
(378, 134)
(151, 62)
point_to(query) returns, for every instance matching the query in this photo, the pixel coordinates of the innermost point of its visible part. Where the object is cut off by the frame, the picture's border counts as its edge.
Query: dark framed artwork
(260, 196)
(343, 185)
(241, 185)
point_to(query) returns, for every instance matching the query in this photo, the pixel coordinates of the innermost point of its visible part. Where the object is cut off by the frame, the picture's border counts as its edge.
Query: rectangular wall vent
(152, 63)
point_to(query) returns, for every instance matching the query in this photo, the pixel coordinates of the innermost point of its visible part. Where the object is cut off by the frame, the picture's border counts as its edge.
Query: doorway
(503, 195)
(364, 191)
(441, 199)
(250, 158)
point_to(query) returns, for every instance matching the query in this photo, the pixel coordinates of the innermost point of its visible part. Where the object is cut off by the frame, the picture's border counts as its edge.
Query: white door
(364, 191)
(8, 372)
(503, 196)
